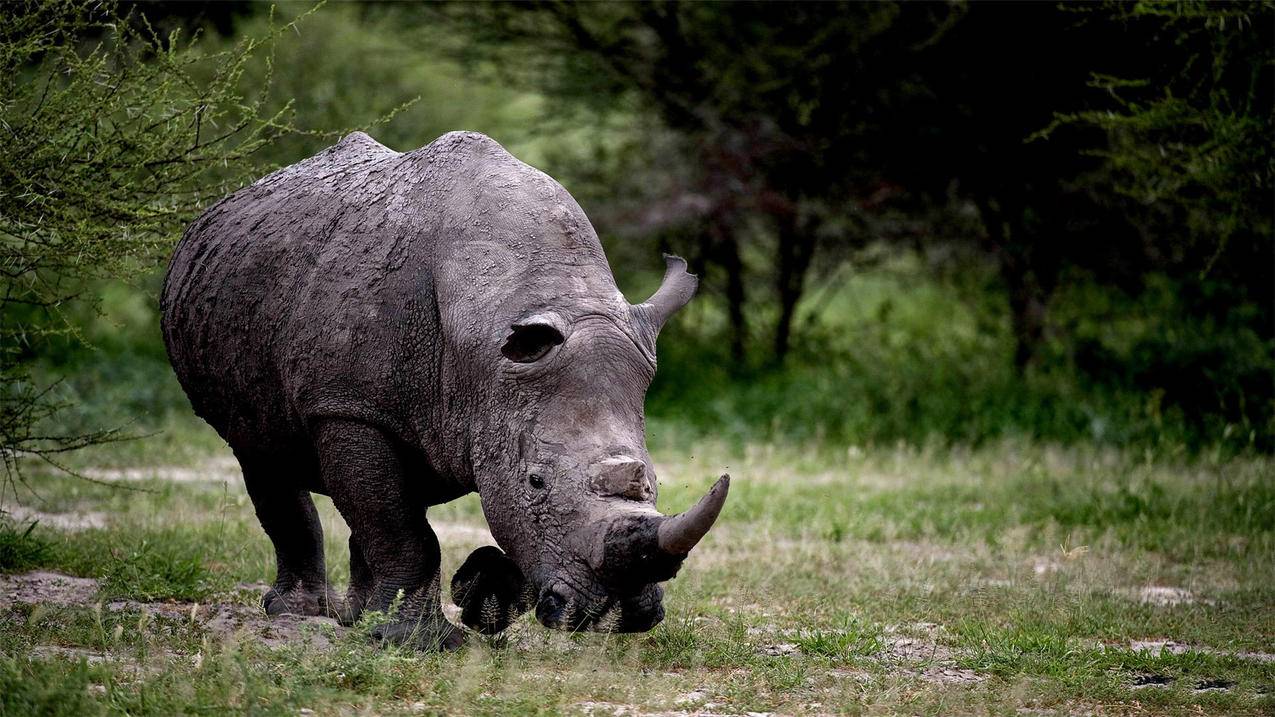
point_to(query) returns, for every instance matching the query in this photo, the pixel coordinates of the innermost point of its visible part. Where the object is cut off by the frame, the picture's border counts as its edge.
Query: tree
(1188, 148)
(766, 100)
(1187, 157)
(112, 137)
(1117, 144)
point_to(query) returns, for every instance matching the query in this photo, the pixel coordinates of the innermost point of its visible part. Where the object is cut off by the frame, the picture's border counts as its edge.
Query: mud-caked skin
(396, 330)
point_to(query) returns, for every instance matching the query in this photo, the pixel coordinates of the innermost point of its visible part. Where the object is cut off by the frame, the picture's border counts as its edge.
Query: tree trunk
(1027, 315)
(795, 250)
(1027, 297)
(726, 254)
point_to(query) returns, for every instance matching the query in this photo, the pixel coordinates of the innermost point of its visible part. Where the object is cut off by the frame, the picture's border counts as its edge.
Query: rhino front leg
(363, 472)
(362, 582)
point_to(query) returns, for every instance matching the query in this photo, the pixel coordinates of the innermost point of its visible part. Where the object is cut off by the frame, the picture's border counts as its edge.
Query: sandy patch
(272, 632)
(860, 676)
(693, 697)
(222, 621)
(950, 676)
(74, 654)
(598, 709)
(47, 589)
(1071, 709)
(1165, 596)
(154, 660)
(1045, 566)
(69, 522)
(218, 470)
(1158, 647)
(912, 649)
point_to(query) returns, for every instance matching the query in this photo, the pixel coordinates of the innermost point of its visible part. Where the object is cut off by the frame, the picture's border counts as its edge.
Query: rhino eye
(536, 480)
(530, 342)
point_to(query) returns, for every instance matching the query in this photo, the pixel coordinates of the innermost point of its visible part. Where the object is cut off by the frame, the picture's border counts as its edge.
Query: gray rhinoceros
(396, 330)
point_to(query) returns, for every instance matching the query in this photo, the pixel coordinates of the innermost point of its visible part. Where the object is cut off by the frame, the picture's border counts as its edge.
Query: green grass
(900, 538)
(850, 579)
(851, 638)
(20, 548)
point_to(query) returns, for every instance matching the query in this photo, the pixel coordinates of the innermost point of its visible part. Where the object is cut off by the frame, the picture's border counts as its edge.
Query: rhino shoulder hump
(354, 153)
(459, 147)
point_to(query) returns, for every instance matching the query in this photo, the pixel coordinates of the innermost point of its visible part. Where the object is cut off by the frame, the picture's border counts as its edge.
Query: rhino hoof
(439, 636)
(348, 614)
(300, 600)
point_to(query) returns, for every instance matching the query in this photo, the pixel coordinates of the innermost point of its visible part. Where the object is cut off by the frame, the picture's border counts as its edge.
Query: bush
(899, 355)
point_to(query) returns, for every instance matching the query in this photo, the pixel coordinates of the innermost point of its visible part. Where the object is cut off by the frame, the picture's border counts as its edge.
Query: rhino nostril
(549, 608)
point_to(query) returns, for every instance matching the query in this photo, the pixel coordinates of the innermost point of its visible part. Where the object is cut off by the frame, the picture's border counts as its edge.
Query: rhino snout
(551, 608)
(559, 609)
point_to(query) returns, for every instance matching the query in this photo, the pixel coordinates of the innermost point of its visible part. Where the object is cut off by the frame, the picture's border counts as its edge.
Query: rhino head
(550, 371)
(586, 546)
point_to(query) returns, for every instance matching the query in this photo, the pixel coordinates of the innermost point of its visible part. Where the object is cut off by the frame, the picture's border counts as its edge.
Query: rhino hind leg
(362, 582)
(365, 476)
(288, 516)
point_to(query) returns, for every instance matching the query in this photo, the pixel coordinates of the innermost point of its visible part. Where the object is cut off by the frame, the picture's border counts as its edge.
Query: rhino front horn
(677, 535)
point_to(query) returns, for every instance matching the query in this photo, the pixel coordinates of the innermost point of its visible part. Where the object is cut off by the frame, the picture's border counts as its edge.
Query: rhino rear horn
(677, 288)
(677, 535)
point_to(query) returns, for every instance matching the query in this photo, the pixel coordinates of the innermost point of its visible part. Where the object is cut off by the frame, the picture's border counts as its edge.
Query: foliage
(895, 353)
(114, 136)
(749, 167)
(1192, 137)
(349, 65)
(961, 282)
(848, 126)
(1188, 159)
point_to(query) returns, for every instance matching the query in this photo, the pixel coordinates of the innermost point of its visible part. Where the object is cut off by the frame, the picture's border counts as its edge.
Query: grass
(989, 580)
(904, 538)
(20, 548)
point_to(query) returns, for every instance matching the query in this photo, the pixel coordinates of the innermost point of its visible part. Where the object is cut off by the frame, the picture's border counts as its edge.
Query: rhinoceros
(396, 330)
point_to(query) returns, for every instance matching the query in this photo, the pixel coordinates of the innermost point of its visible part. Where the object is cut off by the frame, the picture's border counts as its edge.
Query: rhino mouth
(561, 608)
(626, 557)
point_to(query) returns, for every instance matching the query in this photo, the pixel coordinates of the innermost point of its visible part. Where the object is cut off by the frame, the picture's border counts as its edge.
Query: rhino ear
(531, 339)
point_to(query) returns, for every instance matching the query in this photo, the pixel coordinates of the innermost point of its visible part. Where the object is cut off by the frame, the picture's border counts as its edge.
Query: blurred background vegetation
(925, 223)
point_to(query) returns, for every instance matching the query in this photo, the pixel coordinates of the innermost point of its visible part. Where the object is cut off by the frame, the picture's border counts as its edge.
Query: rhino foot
(352, 608)
(299, 599)
(437, 635)
(490, 591)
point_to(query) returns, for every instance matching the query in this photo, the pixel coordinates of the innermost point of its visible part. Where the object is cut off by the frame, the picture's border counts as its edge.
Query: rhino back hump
(363, 283)
(268, 282)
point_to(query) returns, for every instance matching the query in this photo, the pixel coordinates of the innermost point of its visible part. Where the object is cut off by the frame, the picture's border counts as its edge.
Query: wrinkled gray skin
(396, 330)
